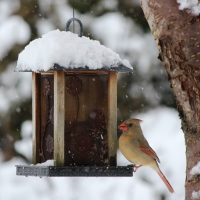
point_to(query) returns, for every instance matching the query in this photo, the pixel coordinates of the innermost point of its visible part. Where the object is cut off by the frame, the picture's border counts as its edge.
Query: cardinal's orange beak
(123, 127)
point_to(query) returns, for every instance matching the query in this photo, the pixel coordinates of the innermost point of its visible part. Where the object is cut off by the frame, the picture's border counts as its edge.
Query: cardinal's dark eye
(130, 125)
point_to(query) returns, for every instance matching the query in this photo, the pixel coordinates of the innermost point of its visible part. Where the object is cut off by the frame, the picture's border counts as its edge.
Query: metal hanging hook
(80, 24)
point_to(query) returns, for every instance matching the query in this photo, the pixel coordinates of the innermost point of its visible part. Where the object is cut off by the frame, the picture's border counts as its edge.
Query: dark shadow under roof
(118, 68)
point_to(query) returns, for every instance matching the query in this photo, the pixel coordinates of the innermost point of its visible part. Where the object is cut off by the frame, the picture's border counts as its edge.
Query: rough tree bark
(177, 34)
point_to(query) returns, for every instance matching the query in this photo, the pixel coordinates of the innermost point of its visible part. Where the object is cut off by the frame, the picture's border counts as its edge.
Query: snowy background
(161, 126)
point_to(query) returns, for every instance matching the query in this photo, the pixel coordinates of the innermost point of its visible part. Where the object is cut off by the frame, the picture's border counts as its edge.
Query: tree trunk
(177, 34)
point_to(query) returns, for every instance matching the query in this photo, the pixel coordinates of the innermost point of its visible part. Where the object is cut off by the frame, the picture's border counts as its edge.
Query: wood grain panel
(47, 119)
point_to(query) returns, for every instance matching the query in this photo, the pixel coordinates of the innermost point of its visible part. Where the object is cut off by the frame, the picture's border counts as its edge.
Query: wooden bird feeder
(74, 114)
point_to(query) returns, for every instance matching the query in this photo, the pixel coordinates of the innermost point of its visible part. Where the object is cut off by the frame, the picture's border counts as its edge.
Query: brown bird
(136, 149)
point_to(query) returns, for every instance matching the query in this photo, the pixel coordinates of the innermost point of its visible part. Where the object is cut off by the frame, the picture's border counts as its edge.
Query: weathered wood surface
(59, 118)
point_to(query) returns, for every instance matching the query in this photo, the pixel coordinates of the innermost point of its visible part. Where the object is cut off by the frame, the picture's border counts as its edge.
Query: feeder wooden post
(59, 118)
(36, 117)
(112, 118)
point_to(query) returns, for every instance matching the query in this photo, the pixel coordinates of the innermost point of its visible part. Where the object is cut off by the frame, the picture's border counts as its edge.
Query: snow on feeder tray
(74, 105)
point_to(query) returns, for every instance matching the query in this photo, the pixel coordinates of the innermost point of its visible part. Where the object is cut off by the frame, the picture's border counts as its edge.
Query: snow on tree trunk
(177, 34)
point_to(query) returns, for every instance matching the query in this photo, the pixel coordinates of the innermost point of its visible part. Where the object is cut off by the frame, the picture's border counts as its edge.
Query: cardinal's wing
(145, 148)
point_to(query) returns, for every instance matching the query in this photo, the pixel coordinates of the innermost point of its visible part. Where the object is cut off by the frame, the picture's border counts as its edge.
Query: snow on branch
(195, 195)
(196, 169)
(192, 6)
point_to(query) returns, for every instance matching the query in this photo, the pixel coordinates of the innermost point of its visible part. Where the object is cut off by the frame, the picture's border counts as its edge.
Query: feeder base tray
(78, 171)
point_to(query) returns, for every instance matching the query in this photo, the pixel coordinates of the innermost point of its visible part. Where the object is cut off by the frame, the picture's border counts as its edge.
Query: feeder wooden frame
(59, 114)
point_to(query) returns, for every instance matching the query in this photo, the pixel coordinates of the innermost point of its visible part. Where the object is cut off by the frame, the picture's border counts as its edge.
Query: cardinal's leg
(135, 168)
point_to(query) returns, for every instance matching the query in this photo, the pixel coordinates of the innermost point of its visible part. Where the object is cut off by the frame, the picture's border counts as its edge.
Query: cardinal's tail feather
(166, 181)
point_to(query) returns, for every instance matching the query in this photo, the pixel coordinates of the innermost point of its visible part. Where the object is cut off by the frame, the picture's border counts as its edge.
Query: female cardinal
(136, 149)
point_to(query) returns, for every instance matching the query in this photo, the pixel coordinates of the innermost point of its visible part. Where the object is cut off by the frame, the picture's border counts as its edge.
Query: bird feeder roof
(61, 50)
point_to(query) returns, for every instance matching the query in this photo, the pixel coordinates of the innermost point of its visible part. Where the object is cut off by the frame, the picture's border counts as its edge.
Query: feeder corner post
(59, 118)
(36, 117)
(112, 118)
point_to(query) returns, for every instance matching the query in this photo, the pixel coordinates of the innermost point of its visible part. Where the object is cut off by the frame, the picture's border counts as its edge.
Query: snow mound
(68, 51)
(47, 163)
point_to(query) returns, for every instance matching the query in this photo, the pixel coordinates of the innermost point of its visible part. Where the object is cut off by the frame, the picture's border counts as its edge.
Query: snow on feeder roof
(61, 50)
